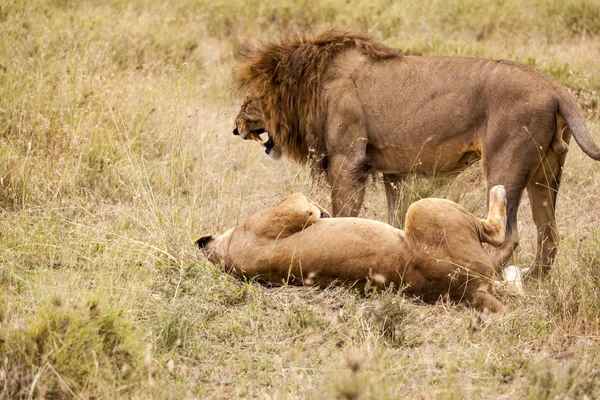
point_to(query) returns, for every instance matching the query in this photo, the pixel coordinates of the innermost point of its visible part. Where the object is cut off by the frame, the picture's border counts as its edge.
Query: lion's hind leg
(542, 189)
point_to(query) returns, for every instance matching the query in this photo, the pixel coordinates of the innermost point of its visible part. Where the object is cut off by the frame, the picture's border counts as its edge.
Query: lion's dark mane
(286, 77)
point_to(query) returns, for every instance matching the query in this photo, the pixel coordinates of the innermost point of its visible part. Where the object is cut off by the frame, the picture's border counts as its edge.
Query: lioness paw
(498, 194)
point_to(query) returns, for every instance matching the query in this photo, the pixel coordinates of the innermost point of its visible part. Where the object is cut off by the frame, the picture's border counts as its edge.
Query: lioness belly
(343, 249)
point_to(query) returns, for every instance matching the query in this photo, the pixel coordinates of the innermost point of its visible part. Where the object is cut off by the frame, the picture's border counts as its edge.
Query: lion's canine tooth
(254, 136)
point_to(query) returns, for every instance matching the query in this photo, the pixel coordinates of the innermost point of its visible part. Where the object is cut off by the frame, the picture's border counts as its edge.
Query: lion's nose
(235, 131)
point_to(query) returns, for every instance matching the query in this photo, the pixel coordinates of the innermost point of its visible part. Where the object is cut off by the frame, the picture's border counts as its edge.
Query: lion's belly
(423, 115)
(444, 161)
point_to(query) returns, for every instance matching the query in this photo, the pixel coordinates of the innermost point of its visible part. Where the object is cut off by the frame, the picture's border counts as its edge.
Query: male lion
(439, 254)
(351, 106)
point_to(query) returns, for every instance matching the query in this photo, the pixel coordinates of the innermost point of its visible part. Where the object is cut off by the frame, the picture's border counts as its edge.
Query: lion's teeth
(254, 136)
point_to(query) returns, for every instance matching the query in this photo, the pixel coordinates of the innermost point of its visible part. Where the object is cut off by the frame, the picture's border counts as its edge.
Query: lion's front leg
(348, 186)
(347, 153)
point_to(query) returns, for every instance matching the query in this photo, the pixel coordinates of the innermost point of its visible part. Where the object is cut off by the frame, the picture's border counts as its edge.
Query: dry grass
(116, 148)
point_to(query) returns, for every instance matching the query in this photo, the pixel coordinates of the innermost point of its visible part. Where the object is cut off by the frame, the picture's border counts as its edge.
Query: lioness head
(249, 125)
(289, 216)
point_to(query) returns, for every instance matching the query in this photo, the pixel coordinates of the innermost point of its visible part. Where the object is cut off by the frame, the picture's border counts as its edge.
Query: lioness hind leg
(482, 300)
(494, 226)
(503, 254)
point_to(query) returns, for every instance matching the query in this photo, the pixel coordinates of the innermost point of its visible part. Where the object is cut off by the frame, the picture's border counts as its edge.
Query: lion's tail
(568, 109)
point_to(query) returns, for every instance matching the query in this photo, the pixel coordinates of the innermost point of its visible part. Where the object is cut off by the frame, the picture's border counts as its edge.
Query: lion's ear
(202, 240)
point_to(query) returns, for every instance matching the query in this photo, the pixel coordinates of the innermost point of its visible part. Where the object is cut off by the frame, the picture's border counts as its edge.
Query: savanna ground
(116, 149)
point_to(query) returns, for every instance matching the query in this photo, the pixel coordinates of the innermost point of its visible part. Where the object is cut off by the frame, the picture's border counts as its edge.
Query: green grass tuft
(62, 349)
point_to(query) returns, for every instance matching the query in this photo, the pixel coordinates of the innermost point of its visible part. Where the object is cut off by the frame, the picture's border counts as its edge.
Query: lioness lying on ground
(439, 253)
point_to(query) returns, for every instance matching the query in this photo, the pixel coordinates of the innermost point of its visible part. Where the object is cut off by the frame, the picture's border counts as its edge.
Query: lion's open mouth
(255, 135)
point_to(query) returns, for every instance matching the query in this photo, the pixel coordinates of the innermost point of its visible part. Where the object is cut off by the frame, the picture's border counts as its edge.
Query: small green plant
(65, 349)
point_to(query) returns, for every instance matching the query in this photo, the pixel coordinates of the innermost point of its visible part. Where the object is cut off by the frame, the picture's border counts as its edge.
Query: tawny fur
(352, 106)
(440, 253)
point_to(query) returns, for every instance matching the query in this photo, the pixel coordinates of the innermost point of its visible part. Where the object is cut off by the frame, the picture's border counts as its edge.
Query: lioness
(439, 254)
(351, 106)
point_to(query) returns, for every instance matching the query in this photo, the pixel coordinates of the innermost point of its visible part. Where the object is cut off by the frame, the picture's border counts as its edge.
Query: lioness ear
(203, 240)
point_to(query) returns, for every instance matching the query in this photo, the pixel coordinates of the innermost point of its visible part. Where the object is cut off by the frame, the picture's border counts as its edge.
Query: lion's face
(249, 125)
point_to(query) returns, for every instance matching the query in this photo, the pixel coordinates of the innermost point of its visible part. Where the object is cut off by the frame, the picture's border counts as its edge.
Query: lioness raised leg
(493, 228)
(511, 238)
(458, 235)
